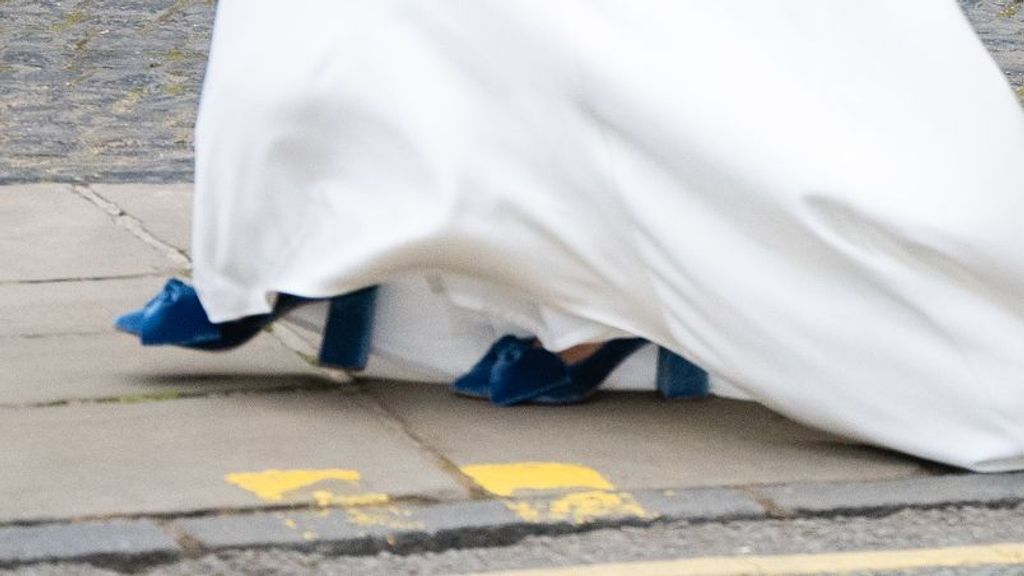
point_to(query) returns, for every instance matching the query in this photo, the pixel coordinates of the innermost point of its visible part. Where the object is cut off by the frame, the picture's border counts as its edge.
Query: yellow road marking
(326, 498)
(590, 495)
(272, 485)
(583, 507)
(394, 517)
(1011, 554)
(507, 479)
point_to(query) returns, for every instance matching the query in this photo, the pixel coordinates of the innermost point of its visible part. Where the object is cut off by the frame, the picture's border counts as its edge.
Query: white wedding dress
(818, 201)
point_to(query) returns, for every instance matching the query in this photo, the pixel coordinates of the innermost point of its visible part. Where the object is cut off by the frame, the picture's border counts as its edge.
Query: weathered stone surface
(100, 90)
(700, 504)
(639, 441)
(1000, 24)
(117, 542)
(165, 211)
(111, 366)
(949, 489)
(175, 456)
(408, 528)
(86, 307)
(47, 232)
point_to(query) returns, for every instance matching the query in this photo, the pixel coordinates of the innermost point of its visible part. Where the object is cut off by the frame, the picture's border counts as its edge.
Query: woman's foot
(520, 370)
(176, 317)
(578, 353)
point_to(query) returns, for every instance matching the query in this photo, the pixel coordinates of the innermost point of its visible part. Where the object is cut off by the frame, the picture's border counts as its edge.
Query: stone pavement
(115, 453)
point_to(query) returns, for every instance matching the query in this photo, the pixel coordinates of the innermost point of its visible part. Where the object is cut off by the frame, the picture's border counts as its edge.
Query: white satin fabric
(816, 200)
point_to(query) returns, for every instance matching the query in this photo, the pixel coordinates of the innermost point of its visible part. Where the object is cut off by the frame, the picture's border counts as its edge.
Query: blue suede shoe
(517, 371)
(477, 382)
(176, 317)
(588, 374)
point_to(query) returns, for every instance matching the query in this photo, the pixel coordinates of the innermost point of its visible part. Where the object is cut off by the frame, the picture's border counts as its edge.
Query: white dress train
(818, 201)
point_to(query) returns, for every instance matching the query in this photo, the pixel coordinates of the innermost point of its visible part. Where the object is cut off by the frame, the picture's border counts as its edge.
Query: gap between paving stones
(233, 512)
(439, 526)
(80, 279)
(132, 224)
(399, 424)
(324, 386)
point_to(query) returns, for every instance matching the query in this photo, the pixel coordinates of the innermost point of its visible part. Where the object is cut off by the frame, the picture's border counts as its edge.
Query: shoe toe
(477, 382)
(131, 322)
(526, 373)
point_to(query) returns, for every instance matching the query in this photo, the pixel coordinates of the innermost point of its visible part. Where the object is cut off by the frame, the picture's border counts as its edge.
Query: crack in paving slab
(133, 225)
(140, 398)
(81, 279)
(391, 418)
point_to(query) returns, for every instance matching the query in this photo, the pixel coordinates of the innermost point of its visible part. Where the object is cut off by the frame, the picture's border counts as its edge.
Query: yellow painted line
(584, 494)
(583, 507)
(1011, 554)
(273, 485)
(394, 517)
(507, 479)
(324, 498)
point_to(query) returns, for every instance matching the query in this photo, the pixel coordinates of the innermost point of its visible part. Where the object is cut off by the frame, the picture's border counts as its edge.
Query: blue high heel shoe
(680, 379)
(516, 371)
(176, 317)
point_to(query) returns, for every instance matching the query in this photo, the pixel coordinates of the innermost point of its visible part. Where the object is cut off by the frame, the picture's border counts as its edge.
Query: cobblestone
(106, 90)
(100, 90)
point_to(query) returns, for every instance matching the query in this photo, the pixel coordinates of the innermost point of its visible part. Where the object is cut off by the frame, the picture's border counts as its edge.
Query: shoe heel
(348, 333)
(678, 378)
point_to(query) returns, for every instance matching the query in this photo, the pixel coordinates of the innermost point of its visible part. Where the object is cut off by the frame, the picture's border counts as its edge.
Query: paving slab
(416, 528)
(164, 210)
(47, 232)
(86, 307)
(114, 541)
(109, 366)
(240, 451)
(949, 489)
(410, 528)
(700, 504)
(638, 441)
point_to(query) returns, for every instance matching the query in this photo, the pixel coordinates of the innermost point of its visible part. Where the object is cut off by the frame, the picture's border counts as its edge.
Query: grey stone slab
(176, 456)
(804, 499)
(103, 366)
(117, 540)
(639, 441)
(262, 530)
(164, 210)
(48, 233)
(412, 528)
(464, 516)
(53, 308)
(355, 530)
(700, 504)
(366, 530)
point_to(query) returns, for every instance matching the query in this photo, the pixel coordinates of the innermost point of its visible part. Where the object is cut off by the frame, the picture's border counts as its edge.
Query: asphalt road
(106, 90)
(906, 529)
